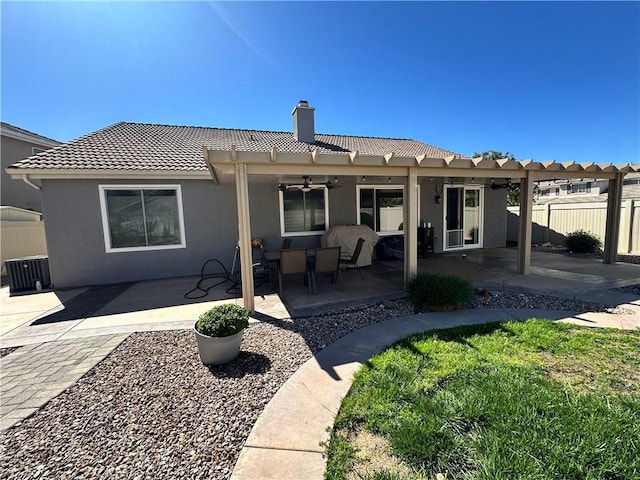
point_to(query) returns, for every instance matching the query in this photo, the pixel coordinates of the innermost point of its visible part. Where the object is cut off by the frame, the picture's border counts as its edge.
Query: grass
(530, 400)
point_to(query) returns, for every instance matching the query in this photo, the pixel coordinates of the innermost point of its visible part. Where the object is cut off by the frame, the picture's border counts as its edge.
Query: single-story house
(141, 201)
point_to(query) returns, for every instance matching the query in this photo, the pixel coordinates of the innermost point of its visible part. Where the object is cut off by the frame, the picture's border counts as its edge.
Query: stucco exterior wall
(430, 211)
(495, 218)
(78, 257)
(264, 204)
(494, 223)
(75, 239)
(16, 193)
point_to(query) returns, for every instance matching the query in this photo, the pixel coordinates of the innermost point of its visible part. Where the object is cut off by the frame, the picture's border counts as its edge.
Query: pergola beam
(411, 224)
(244, 234)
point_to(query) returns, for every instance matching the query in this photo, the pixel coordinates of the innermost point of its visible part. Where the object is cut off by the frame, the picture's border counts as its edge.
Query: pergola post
(524, 226)
(614, 206)
(411, 224)
(244, 233)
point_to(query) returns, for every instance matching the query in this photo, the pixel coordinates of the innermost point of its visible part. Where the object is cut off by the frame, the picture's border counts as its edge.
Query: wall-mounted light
(389, 179)
(335, 179)
(438, 197)
(364, 179)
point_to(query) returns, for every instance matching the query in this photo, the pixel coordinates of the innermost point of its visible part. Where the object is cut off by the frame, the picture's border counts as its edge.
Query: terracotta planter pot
(218, 350)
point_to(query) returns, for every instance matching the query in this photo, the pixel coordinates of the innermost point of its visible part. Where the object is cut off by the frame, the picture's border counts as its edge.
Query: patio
(161, 304)
(493, 269)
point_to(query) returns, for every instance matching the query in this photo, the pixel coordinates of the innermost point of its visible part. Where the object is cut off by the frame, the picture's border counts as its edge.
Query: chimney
(303, 128)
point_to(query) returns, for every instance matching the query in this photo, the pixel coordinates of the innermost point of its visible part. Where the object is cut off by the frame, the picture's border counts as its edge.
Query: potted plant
(219, 333)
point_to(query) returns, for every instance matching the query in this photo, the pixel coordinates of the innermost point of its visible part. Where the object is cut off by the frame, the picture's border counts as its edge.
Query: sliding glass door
(463, 217)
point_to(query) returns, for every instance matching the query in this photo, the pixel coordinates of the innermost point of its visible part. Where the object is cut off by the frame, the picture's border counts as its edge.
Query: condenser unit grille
(24, 272)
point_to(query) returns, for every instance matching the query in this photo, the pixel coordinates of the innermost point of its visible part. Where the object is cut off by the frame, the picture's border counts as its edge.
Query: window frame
(481, 199)
(39, 150)
(578, 187)
(283, 233)
(383, 187)
(102, 189)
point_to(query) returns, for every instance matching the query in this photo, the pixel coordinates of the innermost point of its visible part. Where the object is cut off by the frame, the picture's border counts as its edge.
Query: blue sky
(542, 80)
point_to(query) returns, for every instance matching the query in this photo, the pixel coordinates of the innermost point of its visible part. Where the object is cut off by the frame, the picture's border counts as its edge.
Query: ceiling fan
(496, 186)
(307, 185)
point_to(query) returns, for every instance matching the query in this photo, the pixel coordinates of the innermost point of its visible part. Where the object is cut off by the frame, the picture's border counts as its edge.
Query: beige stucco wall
(16, 193)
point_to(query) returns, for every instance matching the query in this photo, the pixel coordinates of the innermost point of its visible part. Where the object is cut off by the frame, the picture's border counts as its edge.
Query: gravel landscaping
(152, 410)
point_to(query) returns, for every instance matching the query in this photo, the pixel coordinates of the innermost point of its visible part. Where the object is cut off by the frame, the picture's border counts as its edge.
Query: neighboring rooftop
(629, 192)
(13, 131)
(151, 147)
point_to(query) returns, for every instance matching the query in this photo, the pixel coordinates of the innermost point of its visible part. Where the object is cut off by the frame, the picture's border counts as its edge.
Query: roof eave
(46, 173)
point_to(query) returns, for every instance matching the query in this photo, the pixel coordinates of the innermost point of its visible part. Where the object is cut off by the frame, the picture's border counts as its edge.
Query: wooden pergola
(228, 166)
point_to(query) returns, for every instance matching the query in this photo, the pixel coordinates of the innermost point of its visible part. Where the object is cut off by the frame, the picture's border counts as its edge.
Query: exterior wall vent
(24, 273)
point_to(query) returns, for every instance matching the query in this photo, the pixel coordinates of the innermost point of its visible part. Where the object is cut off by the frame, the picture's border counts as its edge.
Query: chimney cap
(303, 103)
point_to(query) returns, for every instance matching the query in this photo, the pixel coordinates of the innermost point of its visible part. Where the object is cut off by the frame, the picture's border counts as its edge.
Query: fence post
(614, 203)
(547, 224)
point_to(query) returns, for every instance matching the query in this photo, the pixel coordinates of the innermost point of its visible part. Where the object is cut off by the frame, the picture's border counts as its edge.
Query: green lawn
(517, 400)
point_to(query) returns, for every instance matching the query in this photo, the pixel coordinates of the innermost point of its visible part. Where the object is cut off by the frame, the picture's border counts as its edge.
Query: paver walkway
(34, 374)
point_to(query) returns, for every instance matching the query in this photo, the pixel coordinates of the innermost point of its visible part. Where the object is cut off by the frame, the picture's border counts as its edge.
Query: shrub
(583, 242)
(432, 291)
(223, 320)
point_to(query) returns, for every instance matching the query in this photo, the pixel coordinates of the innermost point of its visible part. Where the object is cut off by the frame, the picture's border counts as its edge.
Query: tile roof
(151, 147)
(7, 127)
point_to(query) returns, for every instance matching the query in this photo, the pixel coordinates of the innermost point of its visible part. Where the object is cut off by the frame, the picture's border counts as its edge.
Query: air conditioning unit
(24, 273)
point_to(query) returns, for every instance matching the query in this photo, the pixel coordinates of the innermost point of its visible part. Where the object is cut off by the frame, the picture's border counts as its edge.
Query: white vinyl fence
(551, 222)
(21, 239)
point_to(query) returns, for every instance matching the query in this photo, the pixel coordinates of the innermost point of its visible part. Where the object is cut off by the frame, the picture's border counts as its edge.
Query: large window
(381, 208)
(147, 217)
(579, 188)
(302, 213)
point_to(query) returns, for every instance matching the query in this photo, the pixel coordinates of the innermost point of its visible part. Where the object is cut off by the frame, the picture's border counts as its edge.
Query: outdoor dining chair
(353, 261)
(327, 261)
(293, 261)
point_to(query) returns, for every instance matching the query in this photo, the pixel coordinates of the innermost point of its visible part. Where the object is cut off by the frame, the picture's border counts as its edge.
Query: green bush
(433, 291)
(583, 242)
(223, 320)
